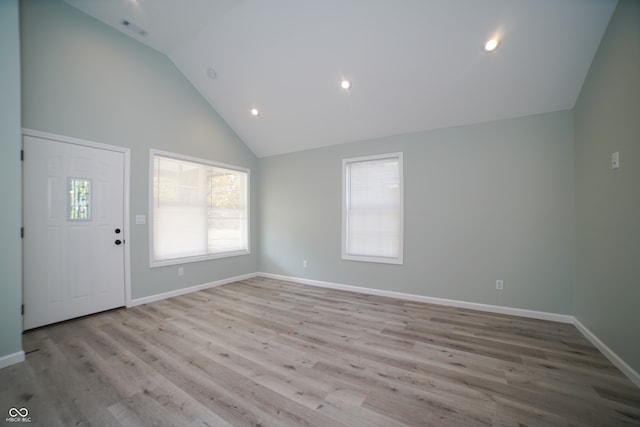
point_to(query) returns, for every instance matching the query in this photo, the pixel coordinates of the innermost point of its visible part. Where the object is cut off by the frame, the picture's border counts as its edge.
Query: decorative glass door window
(79, 199)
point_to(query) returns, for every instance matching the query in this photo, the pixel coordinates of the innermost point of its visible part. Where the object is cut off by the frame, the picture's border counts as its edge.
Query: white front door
(73, 218)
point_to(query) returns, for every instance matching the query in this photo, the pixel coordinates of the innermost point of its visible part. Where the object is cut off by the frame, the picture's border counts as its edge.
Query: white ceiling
(414, 64)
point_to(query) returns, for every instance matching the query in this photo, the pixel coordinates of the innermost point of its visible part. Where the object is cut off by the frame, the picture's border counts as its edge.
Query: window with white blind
(199, 209)
(372, 209)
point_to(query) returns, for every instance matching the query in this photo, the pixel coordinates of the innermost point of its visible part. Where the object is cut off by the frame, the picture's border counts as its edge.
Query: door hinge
(22, 155)
(22, 309)
(22, 232)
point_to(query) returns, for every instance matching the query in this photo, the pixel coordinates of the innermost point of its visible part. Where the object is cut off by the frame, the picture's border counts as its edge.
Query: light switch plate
(615, 160)
(141, 219)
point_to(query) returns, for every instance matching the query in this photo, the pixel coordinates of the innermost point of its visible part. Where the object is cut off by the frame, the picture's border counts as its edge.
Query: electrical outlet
(305, 263)
(180, 271)
(499, 284)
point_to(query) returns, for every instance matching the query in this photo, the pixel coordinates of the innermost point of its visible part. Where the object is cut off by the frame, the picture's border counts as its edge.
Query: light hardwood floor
(263, 352)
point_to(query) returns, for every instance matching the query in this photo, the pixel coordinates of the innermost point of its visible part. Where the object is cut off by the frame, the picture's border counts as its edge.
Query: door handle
(118, 242)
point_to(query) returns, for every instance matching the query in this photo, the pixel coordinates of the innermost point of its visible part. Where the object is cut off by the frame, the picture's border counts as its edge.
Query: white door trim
(126, 190)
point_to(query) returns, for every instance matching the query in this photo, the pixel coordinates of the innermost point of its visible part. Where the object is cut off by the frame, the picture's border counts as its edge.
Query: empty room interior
(326, 213)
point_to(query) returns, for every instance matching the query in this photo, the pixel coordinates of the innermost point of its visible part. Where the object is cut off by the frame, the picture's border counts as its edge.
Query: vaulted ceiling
(413, 65)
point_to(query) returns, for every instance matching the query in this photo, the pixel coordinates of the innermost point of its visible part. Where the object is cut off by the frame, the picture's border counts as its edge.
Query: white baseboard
(630, 373)
(11, 359)
(420, 298)
(171, 294)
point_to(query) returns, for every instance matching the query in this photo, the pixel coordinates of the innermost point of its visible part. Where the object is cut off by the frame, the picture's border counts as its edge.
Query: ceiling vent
(134, 28)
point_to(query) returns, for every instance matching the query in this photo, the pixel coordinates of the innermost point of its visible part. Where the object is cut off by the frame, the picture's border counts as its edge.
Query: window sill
(379, 260)
(198, 258)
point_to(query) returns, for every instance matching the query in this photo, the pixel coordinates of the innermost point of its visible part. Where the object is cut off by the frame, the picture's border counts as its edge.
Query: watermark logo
(18, 415)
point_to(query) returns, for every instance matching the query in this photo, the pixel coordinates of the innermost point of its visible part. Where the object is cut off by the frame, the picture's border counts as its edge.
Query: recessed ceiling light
(491, 45)
(345, 84)
(255, 112)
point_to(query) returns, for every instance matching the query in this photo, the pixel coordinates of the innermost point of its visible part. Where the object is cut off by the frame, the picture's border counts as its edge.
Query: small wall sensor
(134, 28)
(615, 160)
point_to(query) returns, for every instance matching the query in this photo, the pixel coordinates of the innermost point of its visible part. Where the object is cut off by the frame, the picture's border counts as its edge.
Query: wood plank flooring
(263, 352)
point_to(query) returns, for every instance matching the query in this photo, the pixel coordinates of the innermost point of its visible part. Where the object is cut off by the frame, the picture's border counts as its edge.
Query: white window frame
(345, 198)
(188, 259)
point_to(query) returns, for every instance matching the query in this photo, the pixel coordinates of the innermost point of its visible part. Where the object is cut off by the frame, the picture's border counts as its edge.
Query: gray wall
(482, 202)
(85, 80)
(607, 119)
(10, 176)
